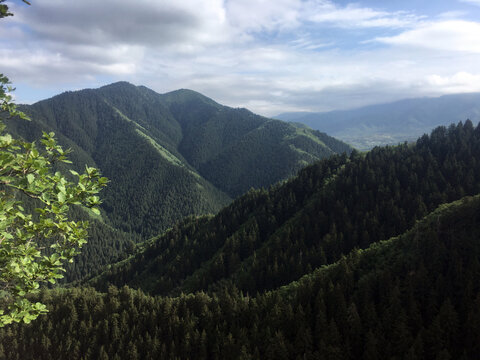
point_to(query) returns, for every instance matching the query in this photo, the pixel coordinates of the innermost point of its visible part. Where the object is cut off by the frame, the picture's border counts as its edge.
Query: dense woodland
(267, 239)
(415, 296)
(366, 256)
(227, 235)
(167, 157)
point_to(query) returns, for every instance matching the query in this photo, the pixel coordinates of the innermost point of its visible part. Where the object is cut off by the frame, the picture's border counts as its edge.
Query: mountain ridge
(172, 155)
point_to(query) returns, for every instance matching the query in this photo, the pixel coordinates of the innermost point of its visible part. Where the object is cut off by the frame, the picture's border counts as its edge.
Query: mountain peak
(118, 85)
(186, 96)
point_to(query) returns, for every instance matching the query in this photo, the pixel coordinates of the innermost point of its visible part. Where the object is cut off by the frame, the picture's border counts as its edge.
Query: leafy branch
(35, 246)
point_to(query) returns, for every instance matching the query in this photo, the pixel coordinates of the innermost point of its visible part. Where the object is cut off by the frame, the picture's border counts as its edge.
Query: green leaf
(61, 197)
(30, 178)
(6, 139)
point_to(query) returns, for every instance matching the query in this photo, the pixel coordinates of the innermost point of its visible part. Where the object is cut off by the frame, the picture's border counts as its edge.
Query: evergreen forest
(370, 255)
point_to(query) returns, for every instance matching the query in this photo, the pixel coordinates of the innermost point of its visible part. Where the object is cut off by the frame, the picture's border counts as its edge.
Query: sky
(270, 56)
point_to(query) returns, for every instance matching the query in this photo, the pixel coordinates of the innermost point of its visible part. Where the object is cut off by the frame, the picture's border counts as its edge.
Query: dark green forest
(267, 239)
(415, 296)
(360, 256)
(167, 157)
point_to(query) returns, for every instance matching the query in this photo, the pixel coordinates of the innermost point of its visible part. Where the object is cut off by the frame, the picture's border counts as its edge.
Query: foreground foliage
(36, 236)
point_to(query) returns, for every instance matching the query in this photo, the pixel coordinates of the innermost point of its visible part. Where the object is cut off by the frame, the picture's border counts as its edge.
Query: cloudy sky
(269, 56)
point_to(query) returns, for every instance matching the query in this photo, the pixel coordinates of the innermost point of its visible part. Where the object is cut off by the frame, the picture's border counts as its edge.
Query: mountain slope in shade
(236, 150)
(415, 296)
(266, 239)
(391, 123)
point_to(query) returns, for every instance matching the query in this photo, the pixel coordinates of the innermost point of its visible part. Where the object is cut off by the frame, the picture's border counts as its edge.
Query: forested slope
(167, 157)
(132, 139)
(236, 150)
(415, 296)
(266, 239)
(160, 151)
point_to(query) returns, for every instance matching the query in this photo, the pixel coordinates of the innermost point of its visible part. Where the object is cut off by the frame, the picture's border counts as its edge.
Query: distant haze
(391, 123)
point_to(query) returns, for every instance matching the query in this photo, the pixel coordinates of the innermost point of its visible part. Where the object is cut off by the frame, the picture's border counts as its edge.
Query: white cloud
(147, 22)
(457, 83)
(454, 14)
(354, 16)
(473, 2)
(257, 15)
(269, 56)
(450, 35)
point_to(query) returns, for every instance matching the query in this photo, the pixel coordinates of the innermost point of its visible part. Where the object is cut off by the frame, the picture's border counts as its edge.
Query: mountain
(391, 123)
(268, 239)
(414, 296)
(363, 256)
(370, 255)
(167, 156)
(162, 153)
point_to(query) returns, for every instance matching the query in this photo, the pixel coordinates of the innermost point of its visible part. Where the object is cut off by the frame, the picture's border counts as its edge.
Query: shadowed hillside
(267, 239)
(415, 296)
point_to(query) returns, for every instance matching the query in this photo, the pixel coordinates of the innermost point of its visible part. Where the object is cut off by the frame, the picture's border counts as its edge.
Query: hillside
(163, 152)
(391, 123)
(414, 296)
(264, 240)
(132, 139)
(236, 150)
(167, 156)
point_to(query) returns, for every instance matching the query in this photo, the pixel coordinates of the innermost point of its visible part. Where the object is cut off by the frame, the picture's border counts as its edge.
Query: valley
(391, 123)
